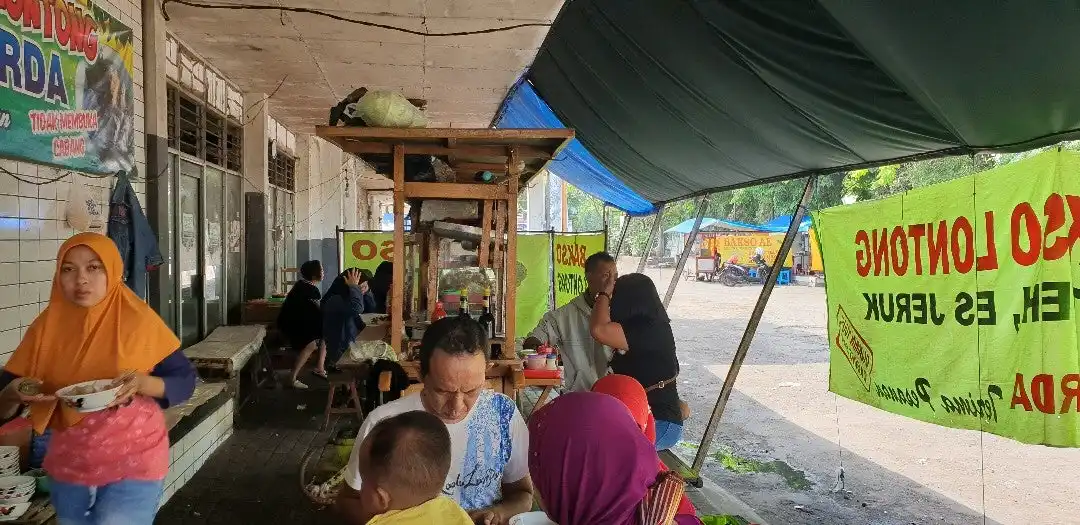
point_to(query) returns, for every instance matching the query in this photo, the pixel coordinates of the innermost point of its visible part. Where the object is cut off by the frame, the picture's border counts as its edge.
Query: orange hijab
(69, 344)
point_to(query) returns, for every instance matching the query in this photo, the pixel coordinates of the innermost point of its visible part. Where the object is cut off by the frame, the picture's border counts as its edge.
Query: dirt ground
(784, 437)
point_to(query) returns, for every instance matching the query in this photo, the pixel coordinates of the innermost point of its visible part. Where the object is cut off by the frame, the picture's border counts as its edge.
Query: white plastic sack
(388, 109)
(371, 351)
(83, 212)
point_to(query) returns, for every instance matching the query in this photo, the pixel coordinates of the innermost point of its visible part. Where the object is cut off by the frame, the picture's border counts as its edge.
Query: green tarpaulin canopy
(680, 97)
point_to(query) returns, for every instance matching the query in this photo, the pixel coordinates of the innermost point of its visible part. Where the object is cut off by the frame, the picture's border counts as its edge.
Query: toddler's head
(403, 462)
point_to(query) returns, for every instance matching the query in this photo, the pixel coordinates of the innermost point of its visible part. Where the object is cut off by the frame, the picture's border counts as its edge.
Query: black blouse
(651, 359)
(300, 318)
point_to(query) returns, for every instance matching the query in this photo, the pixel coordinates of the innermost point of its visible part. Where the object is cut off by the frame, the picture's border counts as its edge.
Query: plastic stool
(784, 277)
(753, 273)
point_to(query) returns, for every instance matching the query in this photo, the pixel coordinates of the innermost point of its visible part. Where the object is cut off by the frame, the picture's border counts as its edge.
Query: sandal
(320, 373)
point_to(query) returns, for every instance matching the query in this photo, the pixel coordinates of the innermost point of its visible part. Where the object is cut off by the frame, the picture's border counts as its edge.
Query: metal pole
(606, 236)
(751, 327)
(622, 236)
(703, 204)
(653, 232)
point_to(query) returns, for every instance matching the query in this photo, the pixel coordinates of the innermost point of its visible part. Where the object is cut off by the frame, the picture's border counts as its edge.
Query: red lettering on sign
(1043, 389)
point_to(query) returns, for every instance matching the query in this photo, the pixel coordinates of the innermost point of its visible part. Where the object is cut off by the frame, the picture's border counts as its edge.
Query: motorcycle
(734, 274)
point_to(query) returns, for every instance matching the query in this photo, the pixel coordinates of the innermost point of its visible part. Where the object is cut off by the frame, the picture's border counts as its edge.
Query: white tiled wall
(32, 223)
(189, 454)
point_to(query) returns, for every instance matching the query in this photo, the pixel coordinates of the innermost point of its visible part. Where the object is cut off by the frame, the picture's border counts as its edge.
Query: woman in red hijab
(630, 392)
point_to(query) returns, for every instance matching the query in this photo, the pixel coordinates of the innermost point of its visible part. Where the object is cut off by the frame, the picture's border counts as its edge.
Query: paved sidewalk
(254, 476)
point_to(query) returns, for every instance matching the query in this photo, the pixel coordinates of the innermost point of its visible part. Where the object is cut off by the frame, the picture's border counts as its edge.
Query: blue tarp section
(523, 108)
(684, 227)
(780, 224)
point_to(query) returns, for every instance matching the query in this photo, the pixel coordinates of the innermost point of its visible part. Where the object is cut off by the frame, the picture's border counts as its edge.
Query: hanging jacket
(131, 232)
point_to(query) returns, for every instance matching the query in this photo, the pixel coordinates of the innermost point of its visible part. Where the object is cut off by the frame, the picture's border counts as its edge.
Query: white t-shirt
(489, 447)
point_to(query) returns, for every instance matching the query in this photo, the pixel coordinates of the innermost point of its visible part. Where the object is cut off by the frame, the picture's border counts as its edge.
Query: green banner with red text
(571, 250)
(67, 95)
(956, 304)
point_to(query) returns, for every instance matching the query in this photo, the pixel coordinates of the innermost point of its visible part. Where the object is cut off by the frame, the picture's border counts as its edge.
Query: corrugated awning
(678, 98)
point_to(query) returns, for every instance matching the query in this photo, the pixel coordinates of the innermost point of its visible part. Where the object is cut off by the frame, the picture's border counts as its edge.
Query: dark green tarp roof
(680, 97)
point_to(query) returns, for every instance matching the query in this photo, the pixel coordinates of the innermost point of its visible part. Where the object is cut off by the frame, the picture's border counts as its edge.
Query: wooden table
(547, 384)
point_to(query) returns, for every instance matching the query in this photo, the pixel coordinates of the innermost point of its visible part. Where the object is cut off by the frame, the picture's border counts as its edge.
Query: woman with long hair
(629, 317)
(345, 300)
(300, 319)
(107, 466)
(591, 464)
(380, 285)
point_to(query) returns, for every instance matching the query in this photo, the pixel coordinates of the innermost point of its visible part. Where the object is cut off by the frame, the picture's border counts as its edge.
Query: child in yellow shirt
(404, 461)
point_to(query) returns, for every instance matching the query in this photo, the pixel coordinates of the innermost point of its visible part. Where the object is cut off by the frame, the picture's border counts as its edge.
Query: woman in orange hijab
(106, 466)
(632, 394)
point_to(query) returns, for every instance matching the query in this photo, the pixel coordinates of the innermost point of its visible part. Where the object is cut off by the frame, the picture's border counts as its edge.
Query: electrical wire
(263, 102)
(255, 7)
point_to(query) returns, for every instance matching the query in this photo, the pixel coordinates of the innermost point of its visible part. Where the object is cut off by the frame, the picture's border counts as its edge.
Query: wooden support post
(653, 234)
(622, 236)
(432, 273)
(752, 325)
(485, 236)
(397, 310)
(703, 204)
(510, 301)
(497, 262)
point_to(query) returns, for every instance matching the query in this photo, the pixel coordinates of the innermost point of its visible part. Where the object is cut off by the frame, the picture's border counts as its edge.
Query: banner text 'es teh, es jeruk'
(956, 303)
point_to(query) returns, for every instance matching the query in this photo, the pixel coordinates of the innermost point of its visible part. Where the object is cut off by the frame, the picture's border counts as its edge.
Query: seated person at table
(381, 285)
(300, 319)
(342, 305)
(627, 390)
(584, 359)
(404, 461)
(489, 473)
(593, 465)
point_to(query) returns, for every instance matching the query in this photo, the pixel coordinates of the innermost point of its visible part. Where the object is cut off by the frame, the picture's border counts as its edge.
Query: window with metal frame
(199, 131)
(281, 167)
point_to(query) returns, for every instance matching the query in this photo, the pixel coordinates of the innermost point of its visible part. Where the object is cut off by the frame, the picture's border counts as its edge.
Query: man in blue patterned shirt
(489, 470)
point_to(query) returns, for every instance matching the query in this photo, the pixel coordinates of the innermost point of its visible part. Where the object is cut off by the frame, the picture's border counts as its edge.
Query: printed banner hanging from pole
(571, 250)
(956, 304)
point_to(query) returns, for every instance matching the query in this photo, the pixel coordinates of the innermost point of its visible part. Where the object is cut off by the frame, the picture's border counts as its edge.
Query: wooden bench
(227, 351)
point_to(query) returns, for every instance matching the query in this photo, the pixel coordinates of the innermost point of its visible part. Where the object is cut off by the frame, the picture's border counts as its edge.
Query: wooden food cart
(511, 157)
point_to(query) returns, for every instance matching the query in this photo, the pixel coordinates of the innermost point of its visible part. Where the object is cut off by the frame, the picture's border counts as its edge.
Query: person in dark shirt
(381, 284)
(300, 319)
(345, 300)
(629, 317)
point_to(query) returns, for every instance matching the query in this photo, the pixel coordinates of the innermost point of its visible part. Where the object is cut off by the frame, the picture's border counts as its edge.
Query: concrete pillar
(259, 277)
(159, 187)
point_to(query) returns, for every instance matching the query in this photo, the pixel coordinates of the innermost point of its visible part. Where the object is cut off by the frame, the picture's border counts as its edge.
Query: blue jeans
(668, 434)
(128, 502)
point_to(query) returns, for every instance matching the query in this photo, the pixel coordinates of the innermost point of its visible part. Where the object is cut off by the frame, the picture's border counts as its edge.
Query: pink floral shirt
(129, 442)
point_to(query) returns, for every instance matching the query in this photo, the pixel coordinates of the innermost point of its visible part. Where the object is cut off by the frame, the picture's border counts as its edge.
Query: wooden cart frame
(513, 155)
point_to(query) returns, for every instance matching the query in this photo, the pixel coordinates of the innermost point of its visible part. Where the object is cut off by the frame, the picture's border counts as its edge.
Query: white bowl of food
(531, 518)
(89, 396)
(13, 511)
